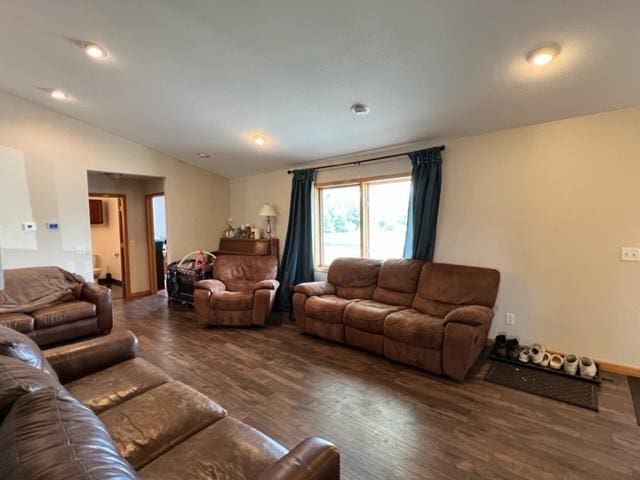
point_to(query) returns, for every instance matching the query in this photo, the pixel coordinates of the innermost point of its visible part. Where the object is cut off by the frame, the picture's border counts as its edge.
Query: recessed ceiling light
(259, 140)
(360, 109)
(204, 155)
(544, 55)
(59, 94)
(94, 50)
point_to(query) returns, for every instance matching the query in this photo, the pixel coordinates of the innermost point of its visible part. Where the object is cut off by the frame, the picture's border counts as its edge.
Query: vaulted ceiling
(195, 76)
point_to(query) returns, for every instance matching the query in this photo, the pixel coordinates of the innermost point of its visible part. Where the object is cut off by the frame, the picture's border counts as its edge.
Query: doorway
(109, 245)
(156, 242)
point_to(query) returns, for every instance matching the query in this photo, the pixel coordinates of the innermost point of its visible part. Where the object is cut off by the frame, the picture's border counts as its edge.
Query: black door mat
(545, 384)
(634, 387)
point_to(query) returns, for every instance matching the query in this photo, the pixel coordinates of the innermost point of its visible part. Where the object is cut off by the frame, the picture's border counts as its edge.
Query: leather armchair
(241, 293)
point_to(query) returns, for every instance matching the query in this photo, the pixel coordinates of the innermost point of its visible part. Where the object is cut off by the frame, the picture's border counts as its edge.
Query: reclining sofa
(429, 315)
(95, 410)
(51, 305)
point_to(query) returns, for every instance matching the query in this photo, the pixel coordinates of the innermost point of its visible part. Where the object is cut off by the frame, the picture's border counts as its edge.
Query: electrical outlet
(29, 227)
(630, 254)
(510, 318)
(80, 250)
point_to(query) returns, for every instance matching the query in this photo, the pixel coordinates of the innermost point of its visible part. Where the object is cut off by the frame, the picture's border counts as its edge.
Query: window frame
(363, 183)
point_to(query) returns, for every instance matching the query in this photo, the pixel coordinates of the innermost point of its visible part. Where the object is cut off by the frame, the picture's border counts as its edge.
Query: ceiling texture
(189, 76)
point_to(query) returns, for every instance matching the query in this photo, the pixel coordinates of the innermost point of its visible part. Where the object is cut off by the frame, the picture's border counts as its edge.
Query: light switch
(630, 254)
(29, 227)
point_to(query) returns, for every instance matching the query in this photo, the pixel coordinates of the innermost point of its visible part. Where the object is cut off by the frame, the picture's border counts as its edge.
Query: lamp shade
(267, 211)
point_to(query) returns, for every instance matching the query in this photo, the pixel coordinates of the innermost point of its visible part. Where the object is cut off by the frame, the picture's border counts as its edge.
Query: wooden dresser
(244, 246)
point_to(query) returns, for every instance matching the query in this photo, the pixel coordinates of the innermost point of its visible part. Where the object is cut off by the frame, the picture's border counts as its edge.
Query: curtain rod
(358, 162)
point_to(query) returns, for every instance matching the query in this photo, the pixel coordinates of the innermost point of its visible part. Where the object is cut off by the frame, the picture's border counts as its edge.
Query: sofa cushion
(18, 378)
(17, 345)
(368, 315)
(150, 424)
(328, 308)
(354, 277)
(253, 268)
(62, 313)
(49, 435)
(228, 450)
(443, 287)
(232, 300)
(110, 387)
(397, 281)
(415, 328)
(18, 321)
(250, 286)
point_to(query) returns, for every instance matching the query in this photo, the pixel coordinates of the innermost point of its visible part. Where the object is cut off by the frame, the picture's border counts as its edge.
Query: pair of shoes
(588, 368)
(525, 355)
(507, 348)
(571, 364)
(537, 353)
(556, 361)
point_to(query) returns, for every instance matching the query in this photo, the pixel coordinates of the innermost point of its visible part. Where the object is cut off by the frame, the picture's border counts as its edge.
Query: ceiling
(204, 75)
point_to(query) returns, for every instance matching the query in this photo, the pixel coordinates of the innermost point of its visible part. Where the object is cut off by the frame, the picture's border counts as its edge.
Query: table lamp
(268, 211)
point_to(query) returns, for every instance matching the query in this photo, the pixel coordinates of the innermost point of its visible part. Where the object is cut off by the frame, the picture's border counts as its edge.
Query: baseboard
(139, 294)
(605, 365)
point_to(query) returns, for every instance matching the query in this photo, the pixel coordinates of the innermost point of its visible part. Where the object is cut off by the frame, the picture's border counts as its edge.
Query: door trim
(151, 247)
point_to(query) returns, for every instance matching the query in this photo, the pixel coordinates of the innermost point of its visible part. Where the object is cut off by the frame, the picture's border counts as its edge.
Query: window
(363, 218)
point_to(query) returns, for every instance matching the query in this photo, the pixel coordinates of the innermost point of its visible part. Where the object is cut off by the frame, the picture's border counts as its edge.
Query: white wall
(57, 152)
(105, 240)
(549, 206)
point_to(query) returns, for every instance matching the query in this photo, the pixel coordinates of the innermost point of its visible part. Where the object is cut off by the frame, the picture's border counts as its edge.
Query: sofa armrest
(313, 459)
(101, 297)
(80, 359)
(212, 285)
(474, 315)
(311, 289)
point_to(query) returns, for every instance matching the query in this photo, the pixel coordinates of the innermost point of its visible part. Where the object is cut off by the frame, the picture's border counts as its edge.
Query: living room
(400, 243)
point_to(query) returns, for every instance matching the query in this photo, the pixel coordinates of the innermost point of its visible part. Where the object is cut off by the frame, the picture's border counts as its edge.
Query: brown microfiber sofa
(429, 315)
(94, 410)
(241, 294)
(51, 305)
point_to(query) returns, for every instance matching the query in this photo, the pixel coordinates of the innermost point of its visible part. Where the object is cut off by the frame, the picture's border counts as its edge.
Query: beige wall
(51, 154)
(549, 206)
(105, 240)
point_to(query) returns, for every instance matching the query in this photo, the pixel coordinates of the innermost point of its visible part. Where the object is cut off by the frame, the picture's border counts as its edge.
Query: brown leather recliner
(51, 305)
(118, 416)
(429, 315)
(241, 293)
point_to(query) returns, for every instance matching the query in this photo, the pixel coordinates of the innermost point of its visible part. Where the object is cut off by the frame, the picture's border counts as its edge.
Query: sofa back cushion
(253, 268)
(19, 346)
(397, 281)
(50, 435)
(28, 289)
(443, 287)
(354, 277)
(17, 379)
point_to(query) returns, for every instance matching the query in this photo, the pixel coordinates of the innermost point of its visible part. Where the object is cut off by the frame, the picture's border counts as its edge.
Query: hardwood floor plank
(388, 420)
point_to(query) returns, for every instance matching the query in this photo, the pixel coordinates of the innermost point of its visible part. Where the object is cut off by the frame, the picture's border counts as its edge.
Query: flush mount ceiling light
(544, 55)
(59, 94)
(259, 140)
(360, 109)
(94, 50)
(204, 155)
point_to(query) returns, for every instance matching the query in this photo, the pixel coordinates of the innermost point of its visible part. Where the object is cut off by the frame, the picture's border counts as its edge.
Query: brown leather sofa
(429, 315)
(241, 293)
(51, 305)
(119, 417)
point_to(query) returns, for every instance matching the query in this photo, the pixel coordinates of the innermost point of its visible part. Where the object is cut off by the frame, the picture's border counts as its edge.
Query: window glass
(388, 204)
(340, 217)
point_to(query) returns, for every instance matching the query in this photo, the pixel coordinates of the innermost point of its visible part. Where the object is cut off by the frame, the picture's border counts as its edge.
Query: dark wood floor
(389, 421)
